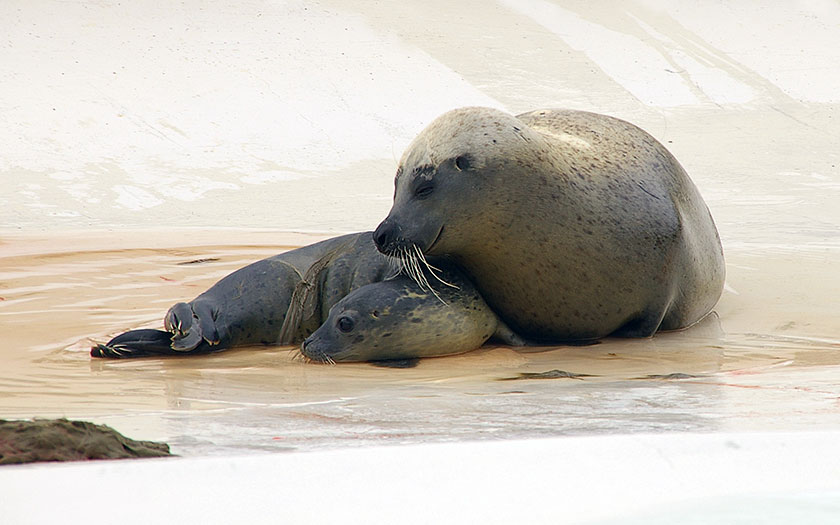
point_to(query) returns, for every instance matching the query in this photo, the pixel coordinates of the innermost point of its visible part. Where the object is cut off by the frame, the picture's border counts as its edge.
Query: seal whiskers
(432, 269)
(411, 263)
(395, 266)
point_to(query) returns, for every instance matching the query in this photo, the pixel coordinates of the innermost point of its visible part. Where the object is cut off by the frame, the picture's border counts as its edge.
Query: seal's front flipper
(644, 325)
(192, 325)
(304, 313)
(136, 343)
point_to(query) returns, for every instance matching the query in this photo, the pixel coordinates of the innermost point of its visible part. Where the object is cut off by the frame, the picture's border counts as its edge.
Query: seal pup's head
(397, 319)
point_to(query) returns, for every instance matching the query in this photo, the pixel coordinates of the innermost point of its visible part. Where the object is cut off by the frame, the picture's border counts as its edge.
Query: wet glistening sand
(757, 368)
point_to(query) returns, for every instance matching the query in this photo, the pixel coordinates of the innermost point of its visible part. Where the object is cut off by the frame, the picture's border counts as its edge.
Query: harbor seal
(278, 300)
(400, 319)
(285, 298)
(572, 225)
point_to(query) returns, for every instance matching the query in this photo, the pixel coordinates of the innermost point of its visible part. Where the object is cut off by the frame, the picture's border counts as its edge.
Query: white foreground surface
(689, 478)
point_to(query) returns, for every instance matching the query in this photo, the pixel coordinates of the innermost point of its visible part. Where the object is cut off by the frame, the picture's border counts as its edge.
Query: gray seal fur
(572, 225)
(278, 300)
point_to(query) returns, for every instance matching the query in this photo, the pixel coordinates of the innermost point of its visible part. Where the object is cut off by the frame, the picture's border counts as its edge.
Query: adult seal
(572, 225)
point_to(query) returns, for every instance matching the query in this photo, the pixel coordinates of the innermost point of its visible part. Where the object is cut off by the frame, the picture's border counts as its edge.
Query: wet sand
(767, 359)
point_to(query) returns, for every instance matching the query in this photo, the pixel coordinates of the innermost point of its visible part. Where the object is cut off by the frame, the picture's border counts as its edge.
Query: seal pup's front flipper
(193, 324)
(184, 327)
(304, 306)
(505, 335)
(136, 343)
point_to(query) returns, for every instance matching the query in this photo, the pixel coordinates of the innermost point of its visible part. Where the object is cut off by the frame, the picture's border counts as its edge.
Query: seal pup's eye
(345, 324)
(375, 314)
(462, 163)
(424, 190)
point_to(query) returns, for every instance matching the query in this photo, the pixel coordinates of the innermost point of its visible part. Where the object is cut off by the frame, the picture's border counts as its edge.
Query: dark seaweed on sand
(65, 440)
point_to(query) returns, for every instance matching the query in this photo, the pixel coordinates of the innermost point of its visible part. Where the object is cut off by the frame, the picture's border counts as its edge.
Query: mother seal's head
(444, 192)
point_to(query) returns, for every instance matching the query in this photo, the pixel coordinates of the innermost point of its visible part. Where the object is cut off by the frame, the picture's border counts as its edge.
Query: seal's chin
(308, 350)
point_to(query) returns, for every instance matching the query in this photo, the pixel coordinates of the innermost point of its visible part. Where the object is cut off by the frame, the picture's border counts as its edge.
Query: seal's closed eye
(424, 190)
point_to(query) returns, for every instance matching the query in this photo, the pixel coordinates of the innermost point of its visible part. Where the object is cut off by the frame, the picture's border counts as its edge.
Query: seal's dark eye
(345, 324)
(462, 162)
(424, 190)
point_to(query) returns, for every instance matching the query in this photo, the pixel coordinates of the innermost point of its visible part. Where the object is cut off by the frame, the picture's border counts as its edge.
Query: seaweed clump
(65, 440)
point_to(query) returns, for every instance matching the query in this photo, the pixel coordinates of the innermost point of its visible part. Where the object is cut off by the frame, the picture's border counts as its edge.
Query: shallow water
(774, 367)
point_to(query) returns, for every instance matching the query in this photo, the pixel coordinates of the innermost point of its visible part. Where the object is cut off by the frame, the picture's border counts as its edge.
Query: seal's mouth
(434, 242)
(314, 355)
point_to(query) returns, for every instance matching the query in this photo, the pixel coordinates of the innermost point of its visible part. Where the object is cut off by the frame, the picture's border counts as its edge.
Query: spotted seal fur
(572, 225)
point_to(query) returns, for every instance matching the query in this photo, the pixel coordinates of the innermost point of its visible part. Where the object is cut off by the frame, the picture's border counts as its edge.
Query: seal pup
(278, 300)
(401, 319)
(572, 225)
